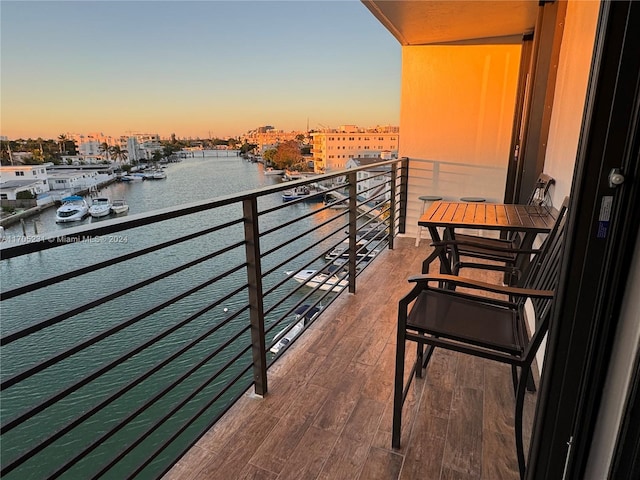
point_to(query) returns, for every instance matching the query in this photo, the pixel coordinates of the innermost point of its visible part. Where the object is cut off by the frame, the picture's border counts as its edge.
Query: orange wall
(456, 114)
(457, 102)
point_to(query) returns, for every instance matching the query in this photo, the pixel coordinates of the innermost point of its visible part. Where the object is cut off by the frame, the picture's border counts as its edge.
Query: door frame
(598, 254)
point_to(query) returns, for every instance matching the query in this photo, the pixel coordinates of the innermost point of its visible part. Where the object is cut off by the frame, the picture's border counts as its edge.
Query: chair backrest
(538, 197)
(545, 272)
(539, 194)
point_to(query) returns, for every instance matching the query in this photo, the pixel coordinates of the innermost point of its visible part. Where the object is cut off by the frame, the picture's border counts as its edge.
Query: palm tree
(105, 149)
(62, 139)
(118, 153)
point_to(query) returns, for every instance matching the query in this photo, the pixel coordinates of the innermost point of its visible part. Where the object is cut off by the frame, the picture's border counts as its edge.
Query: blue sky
(193, 68)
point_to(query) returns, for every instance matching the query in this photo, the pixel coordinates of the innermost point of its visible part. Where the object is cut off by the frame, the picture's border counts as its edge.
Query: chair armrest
(489, 287)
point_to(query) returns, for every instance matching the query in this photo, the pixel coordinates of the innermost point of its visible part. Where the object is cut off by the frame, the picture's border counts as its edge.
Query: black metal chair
(478, 325)
(464, 250)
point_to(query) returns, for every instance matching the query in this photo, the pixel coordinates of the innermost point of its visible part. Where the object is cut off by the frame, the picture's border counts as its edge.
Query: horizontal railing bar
(9, 425)
(306, 232)
(146, 405)
(295, 220)
(96, 408)
(12, 337)
(107, 263)
(300, 302)
(286, 204)
(293, 257)
(107, 333)
(198, 414)
(291, 310)
(367, 213)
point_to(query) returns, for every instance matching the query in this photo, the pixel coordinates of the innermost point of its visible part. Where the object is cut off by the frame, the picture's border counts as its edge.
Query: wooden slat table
(529, 219)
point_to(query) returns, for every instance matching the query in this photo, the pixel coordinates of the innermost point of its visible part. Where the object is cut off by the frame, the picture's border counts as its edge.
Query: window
(19, 174)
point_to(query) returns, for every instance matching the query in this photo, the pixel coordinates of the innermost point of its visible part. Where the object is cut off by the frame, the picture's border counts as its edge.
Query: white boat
(325, 281)
(341, 252)
(134, 177)
(100, 207)
(119, 206)
(272, 171)
(302, 192)
(303, 317)
(155, 175)
(73, 209)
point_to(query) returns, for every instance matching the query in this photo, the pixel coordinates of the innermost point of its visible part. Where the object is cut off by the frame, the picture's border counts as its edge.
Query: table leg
(439, 252)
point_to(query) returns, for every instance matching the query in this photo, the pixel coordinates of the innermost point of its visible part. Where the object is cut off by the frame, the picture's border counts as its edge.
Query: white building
(371, 182)
(332, 148)
(19, 178)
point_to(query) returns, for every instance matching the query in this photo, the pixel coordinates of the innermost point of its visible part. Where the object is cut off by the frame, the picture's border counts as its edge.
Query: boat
(136, 177)
(323, 280)
(302, 193)
(100, 207)
(154, 175)
(73, 209)
(292, 175)
(341, 252)
(272, 171)
(119, 206)
(372, 231)
(303, 316)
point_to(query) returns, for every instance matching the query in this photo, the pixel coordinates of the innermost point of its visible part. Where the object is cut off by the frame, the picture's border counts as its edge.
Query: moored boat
(135, 177)
(119, 206)
(341, 252)
(302, 193)
(100, 207)
(322, 280)
(73, 209)
(303, 316)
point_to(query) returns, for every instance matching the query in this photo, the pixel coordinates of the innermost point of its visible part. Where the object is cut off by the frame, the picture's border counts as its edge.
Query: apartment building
(268, 137)
(333, 148)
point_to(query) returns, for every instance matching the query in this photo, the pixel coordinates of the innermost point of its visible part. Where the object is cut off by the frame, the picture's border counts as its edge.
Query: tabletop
(489, 216)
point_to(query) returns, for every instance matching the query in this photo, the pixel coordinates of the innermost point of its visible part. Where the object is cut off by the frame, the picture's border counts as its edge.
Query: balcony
(329, 408)
(120, 379)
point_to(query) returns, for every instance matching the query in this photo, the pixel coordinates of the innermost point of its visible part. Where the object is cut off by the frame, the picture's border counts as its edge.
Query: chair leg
(520, 394)
(419, 356)
(398, 389)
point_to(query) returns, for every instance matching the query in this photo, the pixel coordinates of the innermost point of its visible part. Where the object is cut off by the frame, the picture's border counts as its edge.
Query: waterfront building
(268, 137)
(77, 178)
(19, 178)
(332, 148)
(371, 182)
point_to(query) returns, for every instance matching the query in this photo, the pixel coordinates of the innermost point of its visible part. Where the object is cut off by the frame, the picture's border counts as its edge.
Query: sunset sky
(193, 68)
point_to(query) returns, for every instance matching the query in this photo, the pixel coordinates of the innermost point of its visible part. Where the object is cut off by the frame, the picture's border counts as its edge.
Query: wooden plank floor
(329, 408)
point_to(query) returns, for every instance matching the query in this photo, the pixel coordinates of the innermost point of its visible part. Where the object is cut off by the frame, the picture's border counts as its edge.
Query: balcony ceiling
(455, 21)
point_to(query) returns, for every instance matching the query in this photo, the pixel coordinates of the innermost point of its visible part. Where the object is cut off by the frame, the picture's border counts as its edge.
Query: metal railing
(123, 343)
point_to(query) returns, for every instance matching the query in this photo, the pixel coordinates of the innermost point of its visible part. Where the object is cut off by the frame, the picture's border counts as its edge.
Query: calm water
(192, 179)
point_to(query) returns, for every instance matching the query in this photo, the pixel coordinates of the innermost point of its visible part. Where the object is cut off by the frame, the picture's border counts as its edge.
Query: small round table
(473, 199)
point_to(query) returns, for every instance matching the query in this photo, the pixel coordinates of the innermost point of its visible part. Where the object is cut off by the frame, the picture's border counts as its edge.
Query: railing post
(392, 204)
(256, 308)
(352, 178)
(404, 194)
